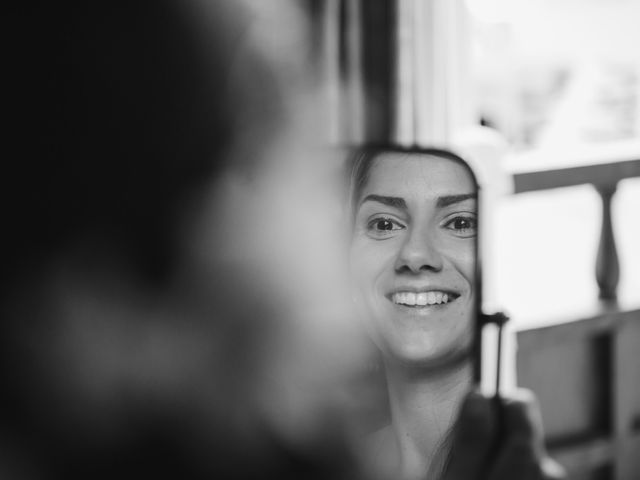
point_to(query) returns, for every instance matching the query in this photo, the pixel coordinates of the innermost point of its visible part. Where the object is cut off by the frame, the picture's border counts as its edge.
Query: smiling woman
(412, 258)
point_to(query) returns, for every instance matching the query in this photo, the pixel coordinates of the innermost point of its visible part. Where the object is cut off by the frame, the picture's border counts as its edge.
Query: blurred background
(561, 82)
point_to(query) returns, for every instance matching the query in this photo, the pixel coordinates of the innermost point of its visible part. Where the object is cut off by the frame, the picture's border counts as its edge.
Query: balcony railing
(585, 370)
(601, 166)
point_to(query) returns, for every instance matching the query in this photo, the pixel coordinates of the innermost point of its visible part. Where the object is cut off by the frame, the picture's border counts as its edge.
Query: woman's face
(413, 257)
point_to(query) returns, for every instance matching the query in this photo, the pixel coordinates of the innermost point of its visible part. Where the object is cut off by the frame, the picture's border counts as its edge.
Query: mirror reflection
(412, 262)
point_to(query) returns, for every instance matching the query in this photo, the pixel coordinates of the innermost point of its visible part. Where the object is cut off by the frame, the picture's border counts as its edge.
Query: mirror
(414, 275)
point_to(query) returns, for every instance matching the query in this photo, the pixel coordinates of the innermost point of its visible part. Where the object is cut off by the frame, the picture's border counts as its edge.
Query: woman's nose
(419, 253)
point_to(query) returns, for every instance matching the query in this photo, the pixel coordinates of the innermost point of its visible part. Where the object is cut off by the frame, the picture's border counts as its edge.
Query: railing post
(607, 266)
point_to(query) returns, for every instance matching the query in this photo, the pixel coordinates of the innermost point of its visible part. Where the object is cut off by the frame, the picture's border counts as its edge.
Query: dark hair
(118, 115)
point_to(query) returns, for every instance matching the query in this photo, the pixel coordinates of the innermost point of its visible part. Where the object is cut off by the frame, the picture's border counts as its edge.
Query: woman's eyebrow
(451, 199)
(395, 202)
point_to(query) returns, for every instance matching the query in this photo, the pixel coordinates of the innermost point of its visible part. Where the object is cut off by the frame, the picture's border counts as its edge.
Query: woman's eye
(381, 227)
(463, 225)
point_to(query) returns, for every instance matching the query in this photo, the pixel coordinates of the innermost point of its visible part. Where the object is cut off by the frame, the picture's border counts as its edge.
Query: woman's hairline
(362, 159)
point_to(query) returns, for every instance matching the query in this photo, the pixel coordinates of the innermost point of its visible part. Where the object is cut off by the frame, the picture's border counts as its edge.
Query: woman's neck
(423, 408)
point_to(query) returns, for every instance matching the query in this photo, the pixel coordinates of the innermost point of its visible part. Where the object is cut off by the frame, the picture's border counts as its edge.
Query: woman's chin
(430, 354)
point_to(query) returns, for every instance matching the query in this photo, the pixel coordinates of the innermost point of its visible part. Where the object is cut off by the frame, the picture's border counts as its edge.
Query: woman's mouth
(422, 299)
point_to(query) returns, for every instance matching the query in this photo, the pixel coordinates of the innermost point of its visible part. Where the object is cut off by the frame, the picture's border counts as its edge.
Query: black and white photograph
(320, 240)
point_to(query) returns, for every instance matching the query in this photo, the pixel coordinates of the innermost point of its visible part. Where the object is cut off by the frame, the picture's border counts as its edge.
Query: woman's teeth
(421, 299)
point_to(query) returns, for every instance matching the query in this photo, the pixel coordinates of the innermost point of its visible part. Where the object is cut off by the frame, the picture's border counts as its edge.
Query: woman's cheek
(465, 263)
(366, 262)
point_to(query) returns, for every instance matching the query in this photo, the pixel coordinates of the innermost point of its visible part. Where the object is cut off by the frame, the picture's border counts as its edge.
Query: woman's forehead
(417, 174)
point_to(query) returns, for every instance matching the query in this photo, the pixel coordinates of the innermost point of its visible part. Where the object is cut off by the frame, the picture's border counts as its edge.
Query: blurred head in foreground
(141, 286)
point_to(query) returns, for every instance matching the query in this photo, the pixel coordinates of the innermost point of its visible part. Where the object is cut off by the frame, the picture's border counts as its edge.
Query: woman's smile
(422, 301)
(422, 298)
(413, 255)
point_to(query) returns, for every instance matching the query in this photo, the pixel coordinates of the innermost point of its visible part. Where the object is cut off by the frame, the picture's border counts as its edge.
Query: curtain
(394, 70)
